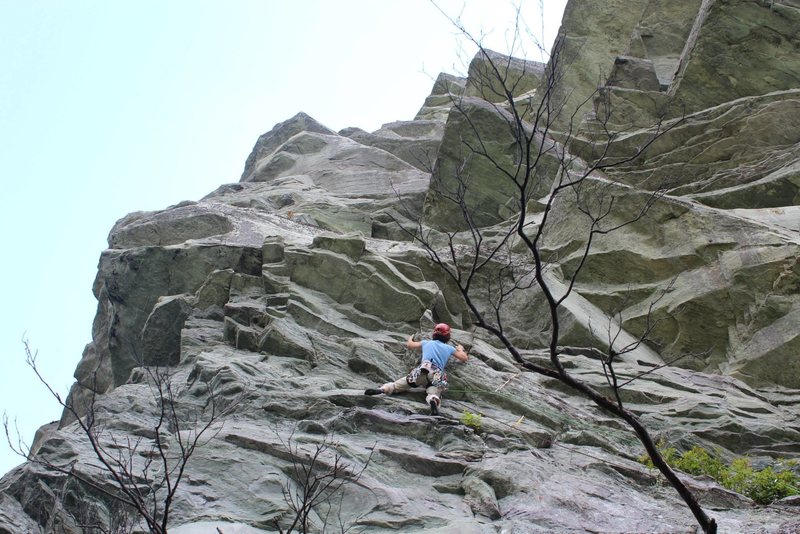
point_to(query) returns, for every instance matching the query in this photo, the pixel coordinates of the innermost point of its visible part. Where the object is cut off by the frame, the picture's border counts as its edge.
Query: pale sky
(109, 107)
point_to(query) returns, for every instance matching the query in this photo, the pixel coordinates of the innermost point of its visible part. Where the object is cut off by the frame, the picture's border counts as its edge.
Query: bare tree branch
(584, 183)
(141, 483)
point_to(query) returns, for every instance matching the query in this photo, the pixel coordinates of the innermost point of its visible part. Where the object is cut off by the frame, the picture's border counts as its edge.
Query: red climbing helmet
(442, 330)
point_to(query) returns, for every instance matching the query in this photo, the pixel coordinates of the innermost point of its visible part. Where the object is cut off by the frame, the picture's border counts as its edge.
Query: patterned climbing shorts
(436, 377)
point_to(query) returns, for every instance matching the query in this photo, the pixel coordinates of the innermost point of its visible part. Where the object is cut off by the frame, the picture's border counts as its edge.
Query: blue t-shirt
(437, 352)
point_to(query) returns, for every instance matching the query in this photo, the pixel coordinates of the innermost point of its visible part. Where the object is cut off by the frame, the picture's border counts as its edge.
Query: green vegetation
(472, 420)
(763, 486)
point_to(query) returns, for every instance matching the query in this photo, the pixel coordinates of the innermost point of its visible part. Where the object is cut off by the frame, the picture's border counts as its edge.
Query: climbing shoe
(373, 391)
(434, 408)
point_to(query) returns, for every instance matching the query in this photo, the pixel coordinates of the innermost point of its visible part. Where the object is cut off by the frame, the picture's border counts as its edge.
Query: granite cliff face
(293, 290)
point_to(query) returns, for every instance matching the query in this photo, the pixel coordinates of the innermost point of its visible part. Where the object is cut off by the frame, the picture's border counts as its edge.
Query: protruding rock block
(518, 75)
(741, 48)
(169, 227)
(446, 90)
(272, 250)
(663, 31)
(592, 34)
(241, 336)
(272, 140)
(480, 497)
(415, 142)
(161, 334)
(366, 285)
(215, 291)
(352, 246)
(634, 73)
(488, 192)
(248, 313)
(284, 338)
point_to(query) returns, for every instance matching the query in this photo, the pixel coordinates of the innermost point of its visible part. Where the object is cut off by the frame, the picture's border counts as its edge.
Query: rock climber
(429, 374)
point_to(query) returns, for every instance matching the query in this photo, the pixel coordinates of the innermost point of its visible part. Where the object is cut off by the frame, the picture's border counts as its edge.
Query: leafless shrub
(140, 475)
(318, 479)
(490, 266)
